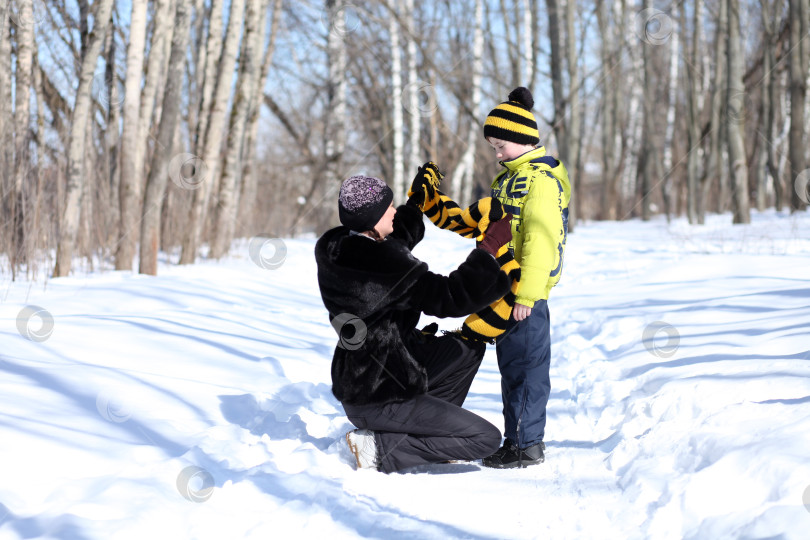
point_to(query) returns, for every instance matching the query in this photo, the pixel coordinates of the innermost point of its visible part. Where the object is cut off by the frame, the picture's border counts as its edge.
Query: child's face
(507, 150)
(386, 224)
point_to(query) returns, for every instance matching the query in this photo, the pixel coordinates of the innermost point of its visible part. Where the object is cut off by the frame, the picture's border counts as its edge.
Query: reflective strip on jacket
(535, 189)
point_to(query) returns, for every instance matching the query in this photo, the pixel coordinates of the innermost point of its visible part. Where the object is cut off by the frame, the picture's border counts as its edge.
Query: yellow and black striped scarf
(472, 222)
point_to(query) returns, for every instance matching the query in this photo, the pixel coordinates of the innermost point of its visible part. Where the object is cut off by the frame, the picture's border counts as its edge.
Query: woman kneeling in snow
(404, 388)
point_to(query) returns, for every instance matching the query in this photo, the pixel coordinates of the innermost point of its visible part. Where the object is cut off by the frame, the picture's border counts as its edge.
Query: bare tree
(574, 129)
(249, 66)
(735, 117)
(397, 125)
(798, 58)
(130, 191)
(609, 85)
(247, 196)
(214, 131)
(156, 67)
(694, 109)
(768, 166)
(718, 108)
(69, 220)
(22, 122)
(335, 130)
(465, 172)
(556, 62)
(163, 154)
(672, 97)
(414, 129)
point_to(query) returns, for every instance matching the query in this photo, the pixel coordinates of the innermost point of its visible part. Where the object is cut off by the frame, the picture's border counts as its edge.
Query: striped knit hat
(512, 120)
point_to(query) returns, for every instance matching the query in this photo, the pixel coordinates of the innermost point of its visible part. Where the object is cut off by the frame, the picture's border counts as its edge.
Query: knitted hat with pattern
(512, 120)
(362, 202)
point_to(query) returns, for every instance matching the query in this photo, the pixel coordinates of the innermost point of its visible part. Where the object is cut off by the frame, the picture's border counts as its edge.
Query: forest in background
(134, 127)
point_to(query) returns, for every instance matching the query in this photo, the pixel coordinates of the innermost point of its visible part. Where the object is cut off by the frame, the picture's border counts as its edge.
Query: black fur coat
(384, 286)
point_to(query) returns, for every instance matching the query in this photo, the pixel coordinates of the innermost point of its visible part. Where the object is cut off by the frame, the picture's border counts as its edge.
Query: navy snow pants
(432, 427)
(524, 357)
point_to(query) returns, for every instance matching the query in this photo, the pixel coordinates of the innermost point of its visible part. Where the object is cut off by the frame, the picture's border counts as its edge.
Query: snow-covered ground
(197, 404)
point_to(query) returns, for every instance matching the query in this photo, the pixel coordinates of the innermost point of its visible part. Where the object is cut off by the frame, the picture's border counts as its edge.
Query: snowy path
(197, 404)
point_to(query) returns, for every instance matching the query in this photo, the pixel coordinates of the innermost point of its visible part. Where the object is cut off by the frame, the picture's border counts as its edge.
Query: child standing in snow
(402, 388)
(534, 188)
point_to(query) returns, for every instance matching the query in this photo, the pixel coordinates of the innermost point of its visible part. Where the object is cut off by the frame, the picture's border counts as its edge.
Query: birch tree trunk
(159, 171)
(22, 122)
(336, 106)
(414, 161)
(557, 52)
(6, 120)
(648, 156)
(672, 97)
(69, 220)
(608, 123)
(718, 128)
(735, 119)
(574, 129)
(798, 90)
(130, 190)
(212, 53)
(527, 43)
(247, 195)
(208, 182)
(155, 69)
(225, 219)
(466, 169)
(199, 63)
(396, 107)
(112, 184)
(767, 161)
(694, 111)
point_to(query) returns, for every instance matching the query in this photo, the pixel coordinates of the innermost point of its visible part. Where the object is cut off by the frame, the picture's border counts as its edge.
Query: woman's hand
(520, 312)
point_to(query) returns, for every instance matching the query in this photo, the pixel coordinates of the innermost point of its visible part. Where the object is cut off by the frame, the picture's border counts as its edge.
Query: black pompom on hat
(363, 200)
(512, 120)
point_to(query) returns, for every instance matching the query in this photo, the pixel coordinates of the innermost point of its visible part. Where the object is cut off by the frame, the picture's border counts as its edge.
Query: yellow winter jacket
(535, 189)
